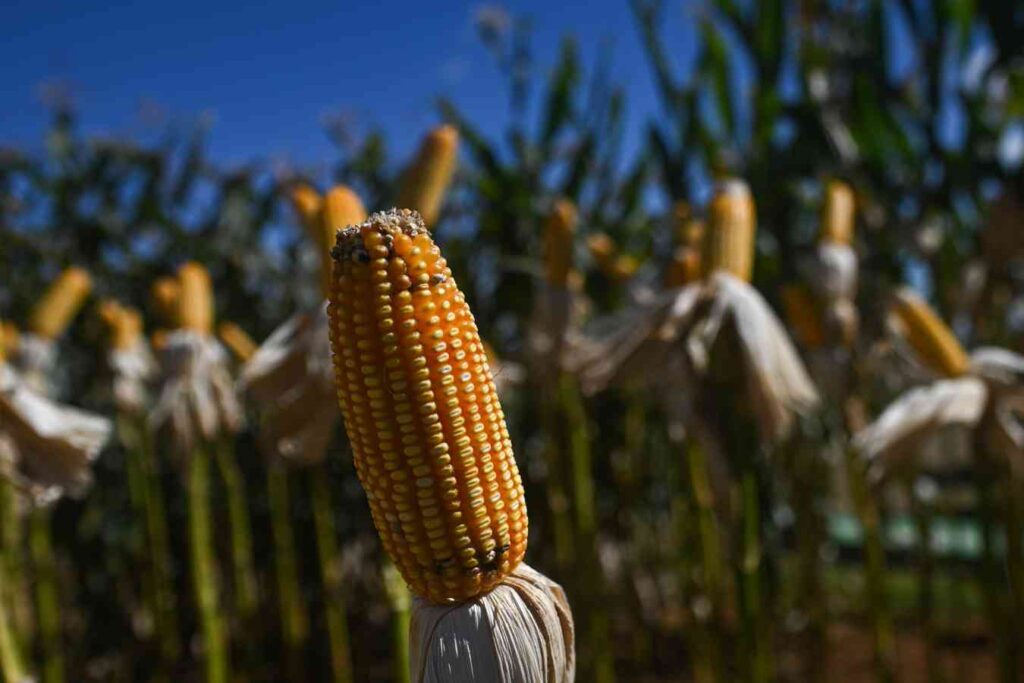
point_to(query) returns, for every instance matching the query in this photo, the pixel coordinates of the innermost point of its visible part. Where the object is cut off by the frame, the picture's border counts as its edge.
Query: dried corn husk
(639, 343)
(291, 379)
(197, 401)
(778, 384)
(129, 358)
(680, 328)
(47, 448)
(35, 359)
(1001, 369)
(916, 415)
(520, 632)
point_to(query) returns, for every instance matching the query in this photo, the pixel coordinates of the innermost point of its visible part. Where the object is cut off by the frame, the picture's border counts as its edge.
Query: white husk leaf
(639, 344)
(779, 386)
(197, 400)
(34, 360)
(46, 448)
(290, 379)
(134, 371)
(1003, 370)
(903, 426)
(833, 272)
(520, 632)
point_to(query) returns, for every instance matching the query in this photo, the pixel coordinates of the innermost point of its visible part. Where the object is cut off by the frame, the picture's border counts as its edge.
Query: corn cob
(730, 239)
(60, 303)
(164, 299)
(935, 344)
(426, 180)
(602, 250)
(837, 214)
(307, 202)
(559, 230)
(236, 339)
(428, 434)
(685, 266)
(158, 340)
(803, 316)
(124, 324)
(341, 208)
(682, 216)
(195, 300)
(9, 338)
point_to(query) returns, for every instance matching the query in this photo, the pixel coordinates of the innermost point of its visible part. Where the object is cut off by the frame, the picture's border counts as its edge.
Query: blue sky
(268, 73)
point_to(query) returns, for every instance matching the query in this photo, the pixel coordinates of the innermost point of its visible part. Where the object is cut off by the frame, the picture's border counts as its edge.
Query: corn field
(740, 400)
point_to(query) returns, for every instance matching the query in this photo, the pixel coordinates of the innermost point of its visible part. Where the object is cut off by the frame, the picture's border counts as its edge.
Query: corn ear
(341, 208)
(684, 268)
(164, 296)
(307, 203)
(730, 238)
(55, 311)
(124, 324)
(559, 230)
(195, 303)
(9, 338)
(428, 434)
(936, 345)
(803, 316)
(837, 214)
(427, 178)
(237, 340)
(158, 340)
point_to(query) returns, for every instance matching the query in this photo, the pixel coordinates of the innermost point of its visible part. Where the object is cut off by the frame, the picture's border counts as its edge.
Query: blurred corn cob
(837, 214)
(730, 236)
(559, 232)
(9, 338)
(802, 315)
(689, 231)
(48, 320)
(428, 435)
(935, 344)
(426, 180)
(613, 264)
(53, 313)
(236, 340)
(164, 299)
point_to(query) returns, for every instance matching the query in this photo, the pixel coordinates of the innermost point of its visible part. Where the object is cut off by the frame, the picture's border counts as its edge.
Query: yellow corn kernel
(9, 338)
(55, 311)
(236, 339)
(730, 238)
(559, 230)
(837, 214)
(425, 181)
(164, 297)
(195, 303)
(684, 268)
(307, 203)
(428, 434)
(935, 344)
(803, 316)
(341, 208)
(124, 324)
